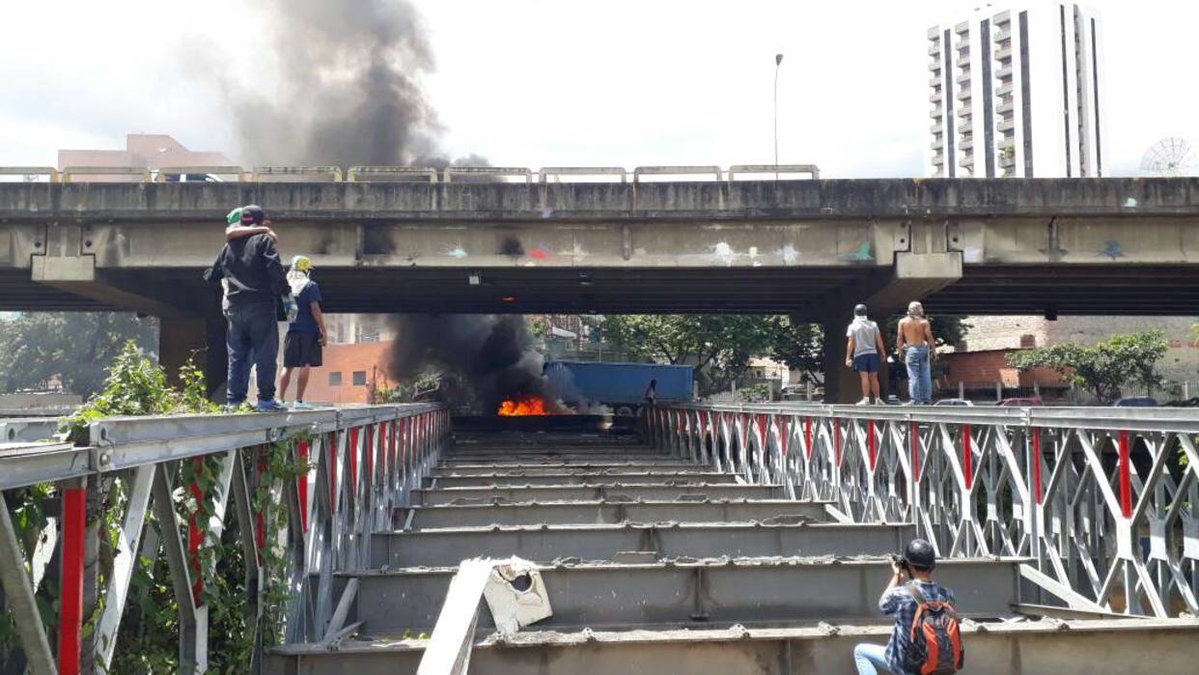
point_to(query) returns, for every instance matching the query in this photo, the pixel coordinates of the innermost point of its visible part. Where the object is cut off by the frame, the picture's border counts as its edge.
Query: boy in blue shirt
(305, 331)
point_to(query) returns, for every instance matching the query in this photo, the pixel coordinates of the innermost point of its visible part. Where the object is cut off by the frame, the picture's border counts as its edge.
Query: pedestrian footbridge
(718, 539)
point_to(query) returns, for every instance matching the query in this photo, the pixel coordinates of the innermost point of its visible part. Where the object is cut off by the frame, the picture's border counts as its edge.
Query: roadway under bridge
(809, 248)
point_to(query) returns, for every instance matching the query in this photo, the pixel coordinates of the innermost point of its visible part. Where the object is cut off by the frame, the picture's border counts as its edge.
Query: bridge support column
(915, 276)
(201, 338)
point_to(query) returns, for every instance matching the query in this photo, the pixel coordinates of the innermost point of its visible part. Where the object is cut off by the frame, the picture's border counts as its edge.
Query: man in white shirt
(863, 351)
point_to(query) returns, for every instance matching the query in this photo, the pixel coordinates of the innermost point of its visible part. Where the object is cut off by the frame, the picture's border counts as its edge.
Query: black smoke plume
(493, 354)
(345, 91)
(347, 95)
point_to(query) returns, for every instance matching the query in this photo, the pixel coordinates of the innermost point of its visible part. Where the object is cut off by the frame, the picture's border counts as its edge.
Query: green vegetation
(74, 346)
(1106, 368)
(721, 346)
(149, 634)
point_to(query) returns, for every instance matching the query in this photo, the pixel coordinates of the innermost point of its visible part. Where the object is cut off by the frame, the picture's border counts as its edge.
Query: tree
(1105, 368)
(800, 346)
(73, 346)
(719, 346)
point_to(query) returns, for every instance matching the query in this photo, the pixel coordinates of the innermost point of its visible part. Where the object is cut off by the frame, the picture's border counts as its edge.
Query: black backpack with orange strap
(936, 644)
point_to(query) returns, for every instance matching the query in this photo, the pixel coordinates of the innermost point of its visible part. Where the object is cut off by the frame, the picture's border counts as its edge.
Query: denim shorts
(866, 363)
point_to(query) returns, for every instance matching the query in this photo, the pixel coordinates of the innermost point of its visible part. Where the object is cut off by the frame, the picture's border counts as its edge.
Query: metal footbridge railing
(360, 463)
(1103, 502)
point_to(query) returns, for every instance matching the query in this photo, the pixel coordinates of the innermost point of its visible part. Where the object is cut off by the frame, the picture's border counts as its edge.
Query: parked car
(1136, 402)
(954, 402)
(1022, 402)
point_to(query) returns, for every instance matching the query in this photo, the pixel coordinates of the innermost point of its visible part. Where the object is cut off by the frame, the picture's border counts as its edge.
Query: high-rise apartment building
(1017, 92)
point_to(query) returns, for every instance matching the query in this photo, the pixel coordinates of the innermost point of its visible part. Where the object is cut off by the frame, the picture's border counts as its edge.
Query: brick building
(981, 362)
(350, 373)
(983, 374)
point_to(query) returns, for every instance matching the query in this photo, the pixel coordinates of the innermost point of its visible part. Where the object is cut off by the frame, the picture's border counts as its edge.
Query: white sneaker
(865, 401)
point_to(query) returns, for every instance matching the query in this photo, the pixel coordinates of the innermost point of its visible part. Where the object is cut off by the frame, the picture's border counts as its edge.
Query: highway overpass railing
(1104, 502)
(352, 466)
(423, 174)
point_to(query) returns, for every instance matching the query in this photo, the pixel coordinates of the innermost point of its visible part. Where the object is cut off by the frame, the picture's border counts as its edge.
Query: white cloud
(542, 82)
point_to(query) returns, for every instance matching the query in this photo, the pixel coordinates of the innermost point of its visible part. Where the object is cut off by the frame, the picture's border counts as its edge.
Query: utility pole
(778, 61)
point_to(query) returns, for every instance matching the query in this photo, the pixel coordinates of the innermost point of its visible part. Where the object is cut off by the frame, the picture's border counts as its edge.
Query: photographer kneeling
(926, 637)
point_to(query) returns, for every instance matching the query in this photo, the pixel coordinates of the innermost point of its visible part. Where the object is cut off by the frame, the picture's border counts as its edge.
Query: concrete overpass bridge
(810, 248)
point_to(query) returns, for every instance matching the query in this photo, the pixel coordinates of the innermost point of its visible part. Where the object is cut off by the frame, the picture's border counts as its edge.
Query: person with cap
(915, 345)
(911, 588)
(255, 285)
(862, 353)
(305, 331)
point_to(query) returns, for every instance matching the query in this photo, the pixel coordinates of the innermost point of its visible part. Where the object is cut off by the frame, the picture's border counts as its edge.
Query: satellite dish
(1168, 157)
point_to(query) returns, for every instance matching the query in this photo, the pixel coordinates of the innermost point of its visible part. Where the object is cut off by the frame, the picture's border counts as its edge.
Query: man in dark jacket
(254, 281)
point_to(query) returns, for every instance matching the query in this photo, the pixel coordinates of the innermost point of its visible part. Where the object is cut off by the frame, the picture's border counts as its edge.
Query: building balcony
(935, 113)
(1005, 106)
(964, 94)
(937, 128)
(964, 78)
(1006, 88)
(1006, 124)
(938, 144)
(1004, 53)
(966, 142)
(964, 57)
(935, 66)
(934, 82)
(936, 96)
(934, 48)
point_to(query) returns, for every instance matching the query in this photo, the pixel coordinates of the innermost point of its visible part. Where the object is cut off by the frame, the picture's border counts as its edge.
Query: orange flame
(530, 405)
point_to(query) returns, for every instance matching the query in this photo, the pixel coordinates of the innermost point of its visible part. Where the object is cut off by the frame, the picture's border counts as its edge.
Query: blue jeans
(920, 377)
(870, 659)
(253, 339)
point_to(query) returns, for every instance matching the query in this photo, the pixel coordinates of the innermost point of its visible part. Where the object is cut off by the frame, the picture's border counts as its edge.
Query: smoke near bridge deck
(346, 92)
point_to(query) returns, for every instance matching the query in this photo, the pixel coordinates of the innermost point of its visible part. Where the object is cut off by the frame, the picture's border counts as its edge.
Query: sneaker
(865, 401)
(300, 405)
(269, 406)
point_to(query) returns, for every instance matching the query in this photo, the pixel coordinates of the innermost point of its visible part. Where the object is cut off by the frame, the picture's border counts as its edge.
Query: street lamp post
(778, 61)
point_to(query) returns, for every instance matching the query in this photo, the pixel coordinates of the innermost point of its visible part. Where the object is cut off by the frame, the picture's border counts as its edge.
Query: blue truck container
(620, 386)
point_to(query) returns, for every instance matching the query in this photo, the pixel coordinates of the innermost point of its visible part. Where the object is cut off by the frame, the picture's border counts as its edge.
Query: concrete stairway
(656, 565)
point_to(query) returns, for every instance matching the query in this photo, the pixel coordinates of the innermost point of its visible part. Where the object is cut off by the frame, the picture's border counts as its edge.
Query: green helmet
(234, 216)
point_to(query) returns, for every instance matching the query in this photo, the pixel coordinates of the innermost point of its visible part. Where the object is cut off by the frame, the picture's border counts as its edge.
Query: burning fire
(530, 405)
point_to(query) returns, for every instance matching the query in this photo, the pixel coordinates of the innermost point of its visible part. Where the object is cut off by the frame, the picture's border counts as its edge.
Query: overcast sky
(567, 82)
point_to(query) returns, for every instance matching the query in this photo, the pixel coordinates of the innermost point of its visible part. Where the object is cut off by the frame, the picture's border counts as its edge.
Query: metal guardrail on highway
(1106, 501)
(364, 174)
(364, 461)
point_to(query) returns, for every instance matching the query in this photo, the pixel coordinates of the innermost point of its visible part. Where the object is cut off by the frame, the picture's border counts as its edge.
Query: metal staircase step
(1019, 648)
(448, 547)
(601, 511)
(577, 478)
(591, 492)
(556, 466)
(689, 592)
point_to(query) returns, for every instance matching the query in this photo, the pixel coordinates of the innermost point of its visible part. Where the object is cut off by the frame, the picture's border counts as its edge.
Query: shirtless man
(915, 345)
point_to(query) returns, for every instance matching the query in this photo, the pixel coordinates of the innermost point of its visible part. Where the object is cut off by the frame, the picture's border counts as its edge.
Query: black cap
(252, 214)
(920, 553)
